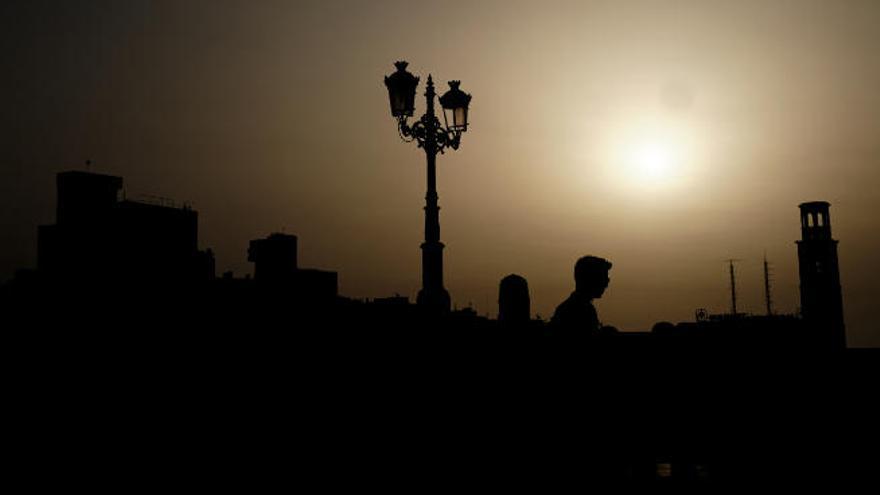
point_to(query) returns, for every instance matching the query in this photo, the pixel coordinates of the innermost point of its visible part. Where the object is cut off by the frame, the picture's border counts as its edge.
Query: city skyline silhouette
(124, 306)
(132, 256)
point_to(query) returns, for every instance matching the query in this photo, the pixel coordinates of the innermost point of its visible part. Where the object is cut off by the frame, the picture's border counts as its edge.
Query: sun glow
(649, 156)
(652, 160)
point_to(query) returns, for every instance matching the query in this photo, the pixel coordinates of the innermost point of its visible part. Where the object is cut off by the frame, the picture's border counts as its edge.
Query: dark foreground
(170, 393)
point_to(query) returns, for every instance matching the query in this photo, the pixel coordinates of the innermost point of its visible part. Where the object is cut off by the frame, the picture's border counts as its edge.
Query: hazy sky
(666, 136)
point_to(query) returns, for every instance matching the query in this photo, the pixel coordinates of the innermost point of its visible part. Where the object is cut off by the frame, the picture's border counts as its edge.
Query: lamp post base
(433, 297)
(435, 301)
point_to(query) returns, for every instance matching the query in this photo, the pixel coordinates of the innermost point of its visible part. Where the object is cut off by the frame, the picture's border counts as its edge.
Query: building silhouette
(821, 296)
(514, 304)
(274, 258)
(276, 268)
(101, 238)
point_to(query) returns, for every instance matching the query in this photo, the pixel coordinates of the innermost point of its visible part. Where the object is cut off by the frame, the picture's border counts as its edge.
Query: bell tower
(821, 297)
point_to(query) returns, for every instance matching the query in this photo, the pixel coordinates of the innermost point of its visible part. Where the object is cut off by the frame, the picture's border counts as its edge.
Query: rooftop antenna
(732, 286)
(767, 286)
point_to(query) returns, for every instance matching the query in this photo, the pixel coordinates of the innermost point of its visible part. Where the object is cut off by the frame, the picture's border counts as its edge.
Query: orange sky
(665, 136)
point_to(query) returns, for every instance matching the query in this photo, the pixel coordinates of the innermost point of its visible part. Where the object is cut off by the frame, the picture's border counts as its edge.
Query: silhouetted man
(576, 315)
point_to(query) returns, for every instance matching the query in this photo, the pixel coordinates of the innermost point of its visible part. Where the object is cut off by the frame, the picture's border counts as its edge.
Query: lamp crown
(455, 97)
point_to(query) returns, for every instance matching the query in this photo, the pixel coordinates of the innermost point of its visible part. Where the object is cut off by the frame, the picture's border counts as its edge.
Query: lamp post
(433, 137)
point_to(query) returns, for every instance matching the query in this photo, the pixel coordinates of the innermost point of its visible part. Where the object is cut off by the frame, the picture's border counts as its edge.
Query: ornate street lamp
(402, 91)
(433, 137)
(455, 106)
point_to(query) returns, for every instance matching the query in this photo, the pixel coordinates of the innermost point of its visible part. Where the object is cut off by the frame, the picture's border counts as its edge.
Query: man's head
(591, 276)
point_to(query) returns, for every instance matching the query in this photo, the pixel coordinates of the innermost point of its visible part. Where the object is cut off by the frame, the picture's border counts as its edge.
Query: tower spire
(821, 297)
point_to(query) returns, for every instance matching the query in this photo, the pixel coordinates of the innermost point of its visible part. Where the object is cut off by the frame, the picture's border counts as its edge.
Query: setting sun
(652, 160)
(653, 155)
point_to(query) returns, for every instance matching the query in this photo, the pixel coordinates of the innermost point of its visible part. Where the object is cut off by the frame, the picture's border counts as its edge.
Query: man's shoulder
(568, 304)
(571, 307)
(575, 313)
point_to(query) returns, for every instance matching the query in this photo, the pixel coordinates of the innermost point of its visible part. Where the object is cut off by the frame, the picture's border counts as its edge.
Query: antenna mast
(767, 286)
(733, 311)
